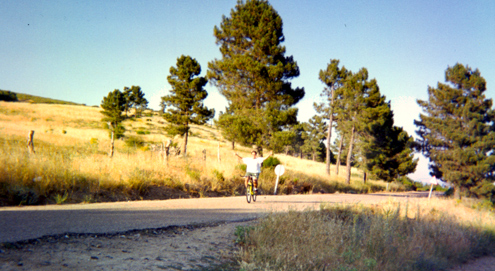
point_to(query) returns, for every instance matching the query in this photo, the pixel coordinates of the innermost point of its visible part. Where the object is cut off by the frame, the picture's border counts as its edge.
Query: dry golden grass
(71, 146)
(417, 235)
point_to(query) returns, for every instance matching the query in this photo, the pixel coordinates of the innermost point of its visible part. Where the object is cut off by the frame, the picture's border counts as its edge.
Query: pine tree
(140, 103)
(134, 97)
(457, 131)
(254, 72)
(113, 105)
(351, 109)
(185, 104)
(129, 99)
(334, 79)
(388, 150)
(314, 134)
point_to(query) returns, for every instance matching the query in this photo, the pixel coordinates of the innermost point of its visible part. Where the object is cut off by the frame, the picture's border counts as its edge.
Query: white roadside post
(433, 181)
(279, 170)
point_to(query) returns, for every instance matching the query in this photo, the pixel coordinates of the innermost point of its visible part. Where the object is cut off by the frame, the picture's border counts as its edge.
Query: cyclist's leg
(246, 181)
(255, 180)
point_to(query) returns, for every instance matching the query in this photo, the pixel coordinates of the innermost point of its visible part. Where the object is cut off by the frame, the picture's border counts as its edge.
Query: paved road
(31, 222)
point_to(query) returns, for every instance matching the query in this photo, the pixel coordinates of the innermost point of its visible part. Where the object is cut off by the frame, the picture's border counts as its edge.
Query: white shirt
(253, 164)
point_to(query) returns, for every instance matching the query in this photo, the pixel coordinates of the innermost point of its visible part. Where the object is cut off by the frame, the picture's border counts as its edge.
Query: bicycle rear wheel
(248, 192)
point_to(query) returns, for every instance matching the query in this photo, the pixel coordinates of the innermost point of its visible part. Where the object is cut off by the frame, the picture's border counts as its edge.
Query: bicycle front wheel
(254, 195)
(248, 193)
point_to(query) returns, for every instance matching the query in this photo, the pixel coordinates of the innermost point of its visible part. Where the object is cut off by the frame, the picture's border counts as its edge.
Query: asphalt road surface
(31, 222)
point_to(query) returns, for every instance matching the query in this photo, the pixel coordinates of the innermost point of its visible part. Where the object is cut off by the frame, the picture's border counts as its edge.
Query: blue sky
(81, 50)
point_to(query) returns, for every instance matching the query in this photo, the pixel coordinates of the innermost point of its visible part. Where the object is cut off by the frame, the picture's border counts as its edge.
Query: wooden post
(204, 154)
(30, 143)
(218, 156)
(167, 150)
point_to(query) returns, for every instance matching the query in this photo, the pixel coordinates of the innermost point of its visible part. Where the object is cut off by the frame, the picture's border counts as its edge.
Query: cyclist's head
(254, 153)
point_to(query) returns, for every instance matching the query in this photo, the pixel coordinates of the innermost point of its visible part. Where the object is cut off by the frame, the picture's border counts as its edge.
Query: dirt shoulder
(206, 247)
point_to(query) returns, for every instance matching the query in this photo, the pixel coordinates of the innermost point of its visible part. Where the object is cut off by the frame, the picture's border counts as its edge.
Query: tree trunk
(30, 143)
(233, 145)
(365, 177)
(112, 145)
(329, 132)
(314, 156)
(185, 143)
(337, 164)
(457, 192)
(349, 155)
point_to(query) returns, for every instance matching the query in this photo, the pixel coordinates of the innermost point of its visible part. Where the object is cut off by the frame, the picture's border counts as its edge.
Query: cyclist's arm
(271, 153)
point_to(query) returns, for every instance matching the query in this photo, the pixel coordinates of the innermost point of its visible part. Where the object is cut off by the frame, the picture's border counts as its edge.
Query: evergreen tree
(185, 104)
(134, 97)
(139, 102)
(314, 134)
(254, 72)
(387, 151)
(113, 105)
(362, 112)
(334, 79)
(457, 130)
(129, 99)
(351, 109)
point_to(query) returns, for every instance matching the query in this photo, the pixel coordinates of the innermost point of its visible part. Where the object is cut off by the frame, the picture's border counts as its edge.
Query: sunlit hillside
(71, 164)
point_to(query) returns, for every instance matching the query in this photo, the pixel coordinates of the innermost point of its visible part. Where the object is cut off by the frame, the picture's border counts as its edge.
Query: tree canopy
(185, 103)
(457, 129)
(134, 97)
(254, 74)
(113, 106)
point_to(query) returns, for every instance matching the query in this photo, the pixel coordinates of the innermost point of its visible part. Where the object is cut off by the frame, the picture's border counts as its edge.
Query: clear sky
(81, 50)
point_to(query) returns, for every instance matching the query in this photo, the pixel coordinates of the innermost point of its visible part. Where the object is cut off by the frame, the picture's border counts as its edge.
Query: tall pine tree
(185, 104)
(457, 129)
(333, 77)
(113, 105)
(253, 73)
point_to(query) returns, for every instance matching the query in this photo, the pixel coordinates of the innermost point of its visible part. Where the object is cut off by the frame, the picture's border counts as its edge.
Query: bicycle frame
(250, 194)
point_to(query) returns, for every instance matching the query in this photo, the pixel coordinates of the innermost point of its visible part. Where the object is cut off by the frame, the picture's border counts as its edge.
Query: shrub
(271, 162)
(133, 141)
(8, 96)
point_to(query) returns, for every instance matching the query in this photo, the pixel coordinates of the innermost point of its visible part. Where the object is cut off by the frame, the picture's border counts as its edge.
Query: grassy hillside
(42, 100)
(71, 162)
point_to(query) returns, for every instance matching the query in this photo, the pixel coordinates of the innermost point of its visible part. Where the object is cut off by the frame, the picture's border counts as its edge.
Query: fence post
(31, 142)
(167, 150)
(218, 152)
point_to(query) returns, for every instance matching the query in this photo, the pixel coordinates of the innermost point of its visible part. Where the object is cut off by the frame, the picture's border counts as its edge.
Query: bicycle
(250, 192)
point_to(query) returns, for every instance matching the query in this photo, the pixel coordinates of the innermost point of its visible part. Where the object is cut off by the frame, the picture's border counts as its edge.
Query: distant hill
(21, 97)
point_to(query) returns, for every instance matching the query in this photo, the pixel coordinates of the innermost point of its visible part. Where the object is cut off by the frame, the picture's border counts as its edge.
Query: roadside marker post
(433, 181)
(279, 170)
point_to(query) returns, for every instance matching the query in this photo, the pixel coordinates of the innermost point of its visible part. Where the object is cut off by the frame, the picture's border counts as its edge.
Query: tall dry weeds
(388, 236)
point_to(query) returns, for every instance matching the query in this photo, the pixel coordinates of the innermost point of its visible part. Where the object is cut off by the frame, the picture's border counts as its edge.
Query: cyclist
(253, 168)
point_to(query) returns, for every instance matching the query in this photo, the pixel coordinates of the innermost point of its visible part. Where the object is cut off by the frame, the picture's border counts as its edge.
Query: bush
(8, 96)
(134, 142)
(271, 162)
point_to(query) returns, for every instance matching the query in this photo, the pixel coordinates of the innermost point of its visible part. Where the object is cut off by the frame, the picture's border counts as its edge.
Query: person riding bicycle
(253, 168)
